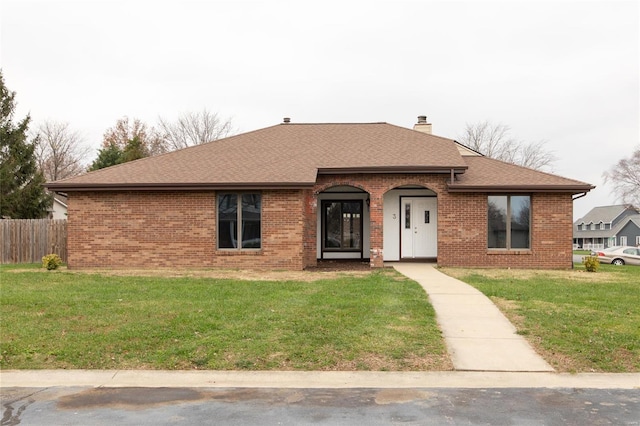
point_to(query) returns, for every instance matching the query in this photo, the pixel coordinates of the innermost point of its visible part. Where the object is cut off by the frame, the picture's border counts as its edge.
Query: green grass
(578, 321)
(582, 252)
(61, 319)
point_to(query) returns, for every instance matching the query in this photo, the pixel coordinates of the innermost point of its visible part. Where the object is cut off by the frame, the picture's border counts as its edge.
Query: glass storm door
(342, 226)
(419, 227)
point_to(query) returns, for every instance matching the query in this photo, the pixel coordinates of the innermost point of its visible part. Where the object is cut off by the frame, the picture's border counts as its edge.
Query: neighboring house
(291, 194)
(608, 226)
(629, 233)
(58, 207)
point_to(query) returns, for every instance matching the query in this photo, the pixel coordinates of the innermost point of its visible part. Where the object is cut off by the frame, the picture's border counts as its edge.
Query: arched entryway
(410, 229)
(343, 223)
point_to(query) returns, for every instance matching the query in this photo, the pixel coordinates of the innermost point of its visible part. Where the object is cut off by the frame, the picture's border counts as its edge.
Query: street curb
(314, 380)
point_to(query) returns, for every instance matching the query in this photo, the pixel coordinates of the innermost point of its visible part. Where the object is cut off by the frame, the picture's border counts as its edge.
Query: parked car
(620, 255)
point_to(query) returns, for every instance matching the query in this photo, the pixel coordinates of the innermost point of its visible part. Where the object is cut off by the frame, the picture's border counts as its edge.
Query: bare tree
(535, 156)
(60, 151)
(194, 128)
(125, 131)
(495, 141)
(625, 176)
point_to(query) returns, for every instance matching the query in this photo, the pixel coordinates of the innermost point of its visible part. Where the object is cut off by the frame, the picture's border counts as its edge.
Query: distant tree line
(495, 141)
(54, 151)
(132, 139)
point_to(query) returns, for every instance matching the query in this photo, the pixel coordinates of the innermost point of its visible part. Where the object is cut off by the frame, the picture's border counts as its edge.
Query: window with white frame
(638, 240)
(623, 240)
(601, 226)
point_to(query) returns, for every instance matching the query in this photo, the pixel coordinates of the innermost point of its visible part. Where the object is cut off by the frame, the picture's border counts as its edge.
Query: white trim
(391, 219)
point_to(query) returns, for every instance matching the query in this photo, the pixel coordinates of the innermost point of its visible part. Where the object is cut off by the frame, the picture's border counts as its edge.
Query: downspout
(579, 196)
(573, 199)
(453, 177)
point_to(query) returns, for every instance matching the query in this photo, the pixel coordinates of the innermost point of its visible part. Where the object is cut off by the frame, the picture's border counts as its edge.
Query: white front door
(419, 226)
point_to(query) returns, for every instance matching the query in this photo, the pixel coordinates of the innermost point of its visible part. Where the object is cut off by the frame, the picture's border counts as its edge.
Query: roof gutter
(520, 188)
(392, 169)
(175, 186)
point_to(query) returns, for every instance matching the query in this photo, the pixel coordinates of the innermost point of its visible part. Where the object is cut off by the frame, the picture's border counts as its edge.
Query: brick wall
(176, 229)
(310, 230)
(462, 223)
(462, 233)
(377, 185)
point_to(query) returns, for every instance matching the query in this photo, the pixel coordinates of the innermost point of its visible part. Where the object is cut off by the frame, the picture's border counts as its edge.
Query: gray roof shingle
(604, 214)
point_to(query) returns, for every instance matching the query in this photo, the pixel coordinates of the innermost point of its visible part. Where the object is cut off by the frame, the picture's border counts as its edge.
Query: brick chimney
(422, 125)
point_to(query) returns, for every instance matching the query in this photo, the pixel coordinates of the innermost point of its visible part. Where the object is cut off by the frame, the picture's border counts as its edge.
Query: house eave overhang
(572, 189)
(176, 186)
(55, 200)
(392, 169)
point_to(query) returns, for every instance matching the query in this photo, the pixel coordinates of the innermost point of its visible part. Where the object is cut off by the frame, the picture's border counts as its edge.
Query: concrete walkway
(478, 336)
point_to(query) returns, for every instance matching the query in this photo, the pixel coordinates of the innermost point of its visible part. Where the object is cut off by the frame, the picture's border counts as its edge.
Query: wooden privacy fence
(28, 240)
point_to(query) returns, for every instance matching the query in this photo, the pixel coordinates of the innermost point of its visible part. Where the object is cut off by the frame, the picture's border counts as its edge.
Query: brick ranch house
(286, 196)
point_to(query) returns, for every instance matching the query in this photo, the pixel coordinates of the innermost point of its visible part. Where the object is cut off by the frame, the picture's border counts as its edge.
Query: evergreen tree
(108, 156)
(21, 183)
(111, 154)
(134, 150)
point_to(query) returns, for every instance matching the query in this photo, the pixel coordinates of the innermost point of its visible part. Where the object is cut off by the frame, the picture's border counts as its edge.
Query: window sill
(231, 252)
(507, 252)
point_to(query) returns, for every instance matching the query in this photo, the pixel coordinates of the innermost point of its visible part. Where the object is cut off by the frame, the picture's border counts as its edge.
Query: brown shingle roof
(281, 155)
(488, 175)
(292, 155)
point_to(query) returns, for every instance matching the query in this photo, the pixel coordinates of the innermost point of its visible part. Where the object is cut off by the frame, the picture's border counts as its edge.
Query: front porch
(358, 221)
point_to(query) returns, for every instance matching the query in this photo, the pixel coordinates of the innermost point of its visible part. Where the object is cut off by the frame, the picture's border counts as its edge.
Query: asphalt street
(282, 406)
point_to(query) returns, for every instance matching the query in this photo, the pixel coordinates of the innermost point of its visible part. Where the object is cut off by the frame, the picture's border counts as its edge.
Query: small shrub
(51, 261)
(591, 263)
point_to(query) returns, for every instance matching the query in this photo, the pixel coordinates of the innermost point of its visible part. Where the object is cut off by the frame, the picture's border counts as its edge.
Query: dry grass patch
(232, 274)
(577, 275)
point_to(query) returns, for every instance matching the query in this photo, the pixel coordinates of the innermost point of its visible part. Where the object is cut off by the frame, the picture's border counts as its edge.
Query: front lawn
(578, 321)
(62, 319)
